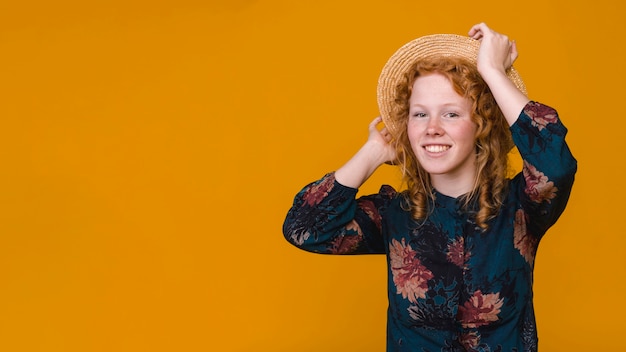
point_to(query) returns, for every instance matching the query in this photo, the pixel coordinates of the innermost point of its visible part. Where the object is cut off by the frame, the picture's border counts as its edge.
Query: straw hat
(436, 45)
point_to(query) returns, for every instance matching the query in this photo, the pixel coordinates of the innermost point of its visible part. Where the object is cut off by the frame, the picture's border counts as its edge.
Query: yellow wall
(150, 150)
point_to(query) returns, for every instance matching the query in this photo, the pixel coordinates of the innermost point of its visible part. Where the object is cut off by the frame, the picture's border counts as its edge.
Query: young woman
(461, 239)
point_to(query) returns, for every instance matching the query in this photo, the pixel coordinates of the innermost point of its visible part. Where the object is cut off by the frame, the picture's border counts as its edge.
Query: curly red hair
(493, 139)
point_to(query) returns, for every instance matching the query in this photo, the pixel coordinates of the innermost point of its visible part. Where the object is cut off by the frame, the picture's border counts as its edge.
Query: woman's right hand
(382, 148)
(376, 151)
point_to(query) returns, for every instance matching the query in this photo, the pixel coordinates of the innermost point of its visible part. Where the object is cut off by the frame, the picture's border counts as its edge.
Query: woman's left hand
(496, 52)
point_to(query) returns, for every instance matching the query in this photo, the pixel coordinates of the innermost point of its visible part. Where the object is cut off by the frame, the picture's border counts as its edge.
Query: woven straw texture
(436, 45)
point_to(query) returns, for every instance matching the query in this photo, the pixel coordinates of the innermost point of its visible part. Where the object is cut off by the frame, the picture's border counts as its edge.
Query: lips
(436, 148)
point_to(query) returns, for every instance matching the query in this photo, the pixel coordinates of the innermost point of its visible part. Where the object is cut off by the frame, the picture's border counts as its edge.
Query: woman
(461, 240)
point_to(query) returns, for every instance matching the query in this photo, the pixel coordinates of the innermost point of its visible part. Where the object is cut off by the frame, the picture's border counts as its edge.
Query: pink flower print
(541, 115)
(316, 193)
(470, 340)
(538, 188)
(525, 243)
(370, 209)
(481, 309)
(456, 252)
(409, 275)
(347, 243)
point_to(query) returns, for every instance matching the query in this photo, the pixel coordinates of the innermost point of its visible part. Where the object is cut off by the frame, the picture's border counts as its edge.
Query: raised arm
(327, 218)
(495, 56)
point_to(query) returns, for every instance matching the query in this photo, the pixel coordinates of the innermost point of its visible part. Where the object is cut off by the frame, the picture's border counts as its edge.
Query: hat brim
(436, 45)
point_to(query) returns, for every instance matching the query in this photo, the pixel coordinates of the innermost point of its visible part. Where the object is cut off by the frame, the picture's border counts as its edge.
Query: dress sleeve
(327, 218)
(546, 180)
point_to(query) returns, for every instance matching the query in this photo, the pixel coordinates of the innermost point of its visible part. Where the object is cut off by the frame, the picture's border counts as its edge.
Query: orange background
(150, 150)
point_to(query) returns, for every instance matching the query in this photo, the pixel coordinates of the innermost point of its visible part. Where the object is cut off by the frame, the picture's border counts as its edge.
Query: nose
(434, 127)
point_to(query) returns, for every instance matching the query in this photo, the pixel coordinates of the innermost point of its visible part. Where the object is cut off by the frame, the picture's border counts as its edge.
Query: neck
(452, 186)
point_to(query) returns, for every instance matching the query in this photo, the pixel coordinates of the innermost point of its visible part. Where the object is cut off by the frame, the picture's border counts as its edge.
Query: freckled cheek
(413, 139)
(414, 131)
(464, 134)
(415, 145)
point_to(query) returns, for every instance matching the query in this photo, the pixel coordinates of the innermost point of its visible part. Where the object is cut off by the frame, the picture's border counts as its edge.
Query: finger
(514, 53)
(375, 122)
(387, 136)
(478, 30)
(475, 33)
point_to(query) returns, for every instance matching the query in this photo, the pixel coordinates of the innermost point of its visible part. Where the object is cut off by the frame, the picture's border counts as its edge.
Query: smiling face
(442, 134)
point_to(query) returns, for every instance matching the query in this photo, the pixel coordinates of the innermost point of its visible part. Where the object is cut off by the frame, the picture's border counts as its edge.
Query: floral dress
(451, 285)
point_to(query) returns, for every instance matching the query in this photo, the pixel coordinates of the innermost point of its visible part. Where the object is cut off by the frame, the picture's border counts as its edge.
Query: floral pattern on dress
(314, 195)
(300, 237)
(538, 187)
(481, 309)
(470, 340)
(452, 286)
(525, 243)
(409, 275)
(370, 209)
(435, 310)
(541, 115)
(347, 243)
(457, 254)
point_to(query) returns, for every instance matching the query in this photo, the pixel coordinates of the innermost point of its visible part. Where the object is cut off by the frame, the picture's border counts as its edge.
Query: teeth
(437, 148)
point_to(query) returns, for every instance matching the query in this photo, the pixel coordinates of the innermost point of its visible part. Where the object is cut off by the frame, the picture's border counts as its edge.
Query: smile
(436, 148)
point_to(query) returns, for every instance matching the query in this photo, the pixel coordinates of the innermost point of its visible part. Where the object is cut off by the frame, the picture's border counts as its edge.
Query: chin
(434, 170)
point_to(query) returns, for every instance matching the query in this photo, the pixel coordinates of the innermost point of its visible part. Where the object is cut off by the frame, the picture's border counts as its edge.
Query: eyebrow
(446, 105)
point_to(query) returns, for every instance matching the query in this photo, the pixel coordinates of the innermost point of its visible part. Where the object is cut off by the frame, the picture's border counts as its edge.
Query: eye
(451, 115)
(419, 114)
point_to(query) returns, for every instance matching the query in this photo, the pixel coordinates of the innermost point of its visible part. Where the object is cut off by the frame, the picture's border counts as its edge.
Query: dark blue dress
(451, 285)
